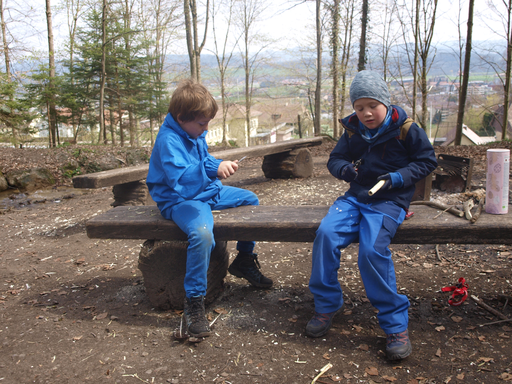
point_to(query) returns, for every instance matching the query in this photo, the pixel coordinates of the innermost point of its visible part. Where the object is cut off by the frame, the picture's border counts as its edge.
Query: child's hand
(227, 168)
(349, 173)
(388, 184)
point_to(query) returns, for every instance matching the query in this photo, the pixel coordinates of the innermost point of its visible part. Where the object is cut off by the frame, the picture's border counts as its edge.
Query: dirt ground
(73, 309)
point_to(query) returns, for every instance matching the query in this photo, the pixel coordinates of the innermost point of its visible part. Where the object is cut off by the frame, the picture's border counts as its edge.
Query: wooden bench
(162, 258)
(283, 159)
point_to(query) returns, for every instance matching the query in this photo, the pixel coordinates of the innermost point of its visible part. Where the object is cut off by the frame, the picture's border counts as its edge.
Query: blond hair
(192, 100)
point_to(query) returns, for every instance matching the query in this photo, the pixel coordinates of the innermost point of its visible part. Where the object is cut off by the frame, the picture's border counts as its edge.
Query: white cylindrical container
(497, 184)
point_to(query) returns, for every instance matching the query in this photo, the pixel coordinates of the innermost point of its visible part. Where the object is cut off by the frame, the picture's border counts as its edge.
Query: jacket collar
(174, 125)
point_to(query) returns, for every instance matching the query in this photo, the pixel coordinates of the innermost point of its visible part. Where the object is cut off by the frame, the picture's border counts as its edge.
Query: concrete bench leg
(162, 264)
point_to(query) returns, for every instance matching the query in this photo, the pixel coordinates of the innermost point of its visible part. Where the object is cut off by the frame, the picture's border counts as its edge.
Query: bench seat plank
(139, 172)
(297, 224)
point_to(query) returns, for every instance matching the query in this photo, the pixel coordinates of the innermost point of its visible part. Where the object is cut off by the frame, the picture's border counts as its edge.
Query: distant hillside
(446, 59)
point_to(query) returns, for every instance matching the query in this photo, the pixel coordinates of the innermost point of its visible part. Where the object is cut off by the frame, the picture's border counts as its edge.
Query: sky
(291, 26)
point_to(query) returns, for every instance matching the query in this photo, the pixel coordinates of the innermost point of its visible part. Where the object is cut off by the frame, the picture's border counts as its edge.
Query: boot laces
(195, 310)
(398, 338)
(320, 319)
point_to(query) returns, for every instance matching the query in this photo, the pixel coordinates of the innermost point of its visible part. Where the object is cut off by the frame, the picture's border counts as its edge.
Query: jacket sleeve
(340, 156)
(186, 175)
(421, 154)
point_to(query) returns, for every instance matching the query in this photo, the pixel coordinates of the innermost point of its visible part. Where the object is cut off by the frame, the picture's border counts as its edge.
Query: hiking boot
(195, 317)
(246, 266)
(398, 345)
(319, 324)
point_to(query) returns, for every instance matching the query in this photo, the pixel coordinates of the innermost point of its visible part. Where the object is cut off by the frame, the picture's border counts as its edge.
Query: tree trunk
(465, 76)
(163, 266)
(103, 74)
(346, 54)
(52, 112)
(508, 71)
(318, 90)
(362, 42)
(335, 66)
(7, 61)
(416, 58)
(189, 36)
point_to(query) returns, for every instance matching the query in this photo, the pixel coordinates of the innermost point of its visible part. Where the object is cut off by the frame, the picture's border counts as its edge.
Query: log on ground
(296, 163)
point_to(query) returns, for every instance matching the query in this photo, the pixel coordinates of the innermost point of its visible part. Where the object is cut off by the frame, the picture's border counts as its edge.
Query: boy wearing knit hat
(372, 148)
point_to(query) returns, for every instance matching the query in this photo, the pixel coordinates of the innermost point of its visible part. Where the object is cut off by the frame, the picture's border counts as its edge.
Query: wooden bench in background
(163, 255)
(283, 159)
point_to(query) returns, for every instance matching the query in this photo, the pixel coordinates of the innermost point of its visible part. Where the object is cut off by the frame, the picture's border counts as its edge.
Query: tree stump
(163, 264)
(296, 163)
(132, 193)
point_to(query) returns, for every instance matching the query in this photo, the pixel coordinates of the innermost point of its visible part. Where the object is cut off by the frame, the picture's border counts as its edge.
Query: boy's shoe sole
(399, 356)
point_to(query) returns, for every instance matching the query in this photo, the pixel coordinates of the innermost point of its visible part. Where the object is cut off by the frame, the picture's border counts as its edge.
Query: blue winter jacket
(180, 167)
(414, 158)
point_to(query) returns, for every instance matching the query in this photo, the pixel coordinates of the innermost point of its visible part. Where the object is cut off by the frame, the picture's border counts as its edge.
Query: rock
(3, 183)
(31, 179)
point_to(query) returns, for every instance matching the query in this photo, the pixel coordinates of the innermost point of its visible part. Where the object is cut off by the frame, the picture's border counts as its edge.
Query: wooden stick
(503, 298)
(440, 213)
(452, 210)
(468, 205)
(488, 308)
(376, 187)
(478, 210)
(322, 371)
(496, 322)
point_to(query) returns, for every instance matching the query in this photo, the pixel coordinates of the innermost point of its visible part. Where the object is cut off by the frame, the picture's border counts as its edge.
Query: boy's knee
(203, 236)
(252, 199)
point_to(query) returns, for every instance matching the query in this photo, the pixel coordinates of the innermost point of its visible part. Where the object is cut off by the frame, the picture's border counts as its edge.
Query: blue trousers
(195, 218)
(375, 225)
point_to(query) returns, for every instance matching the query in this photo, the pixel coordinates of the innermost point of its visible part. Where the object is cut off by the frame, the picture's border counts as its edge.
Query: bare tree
(249, 12)
(463, 90)
(386, 33)
(361, 65)
(103, 74)
(74, 10)
(335, 65)
(7, 60)
(346, 48)
(318, 90)
(192, 34)
(159, 21)
(504, 15)
(52, 113)
(416, 57)
(423, 33)
(223, 56)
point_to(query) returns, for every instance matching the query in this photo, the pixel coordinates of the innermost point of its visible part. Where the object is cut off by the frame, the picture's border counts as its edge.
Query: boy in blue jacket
(373, 147)
(184, 180)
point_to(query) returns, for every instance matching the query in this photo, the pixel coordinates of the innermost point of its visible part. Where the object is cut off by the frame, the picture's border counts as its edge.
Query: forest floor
(73, 309)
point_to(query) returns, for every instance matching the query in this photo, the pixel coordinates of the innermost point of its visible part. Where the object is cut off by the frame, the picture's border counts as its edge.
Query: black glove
(387, 184)
(349, 173)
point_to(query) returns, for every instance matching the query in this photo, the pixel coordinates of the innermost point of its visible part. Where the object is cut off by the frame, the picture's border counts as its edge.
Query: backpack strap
(404, 129)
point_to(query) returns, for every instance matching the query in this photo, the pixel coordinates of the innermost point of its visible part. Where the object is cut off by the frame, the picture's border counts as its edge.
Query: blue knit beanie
(369, 84)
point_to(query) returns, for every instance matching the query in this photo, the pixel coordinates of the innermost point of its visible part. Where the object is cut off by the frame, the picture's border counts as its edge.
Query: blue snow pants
(374, 224)
(195, 218)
